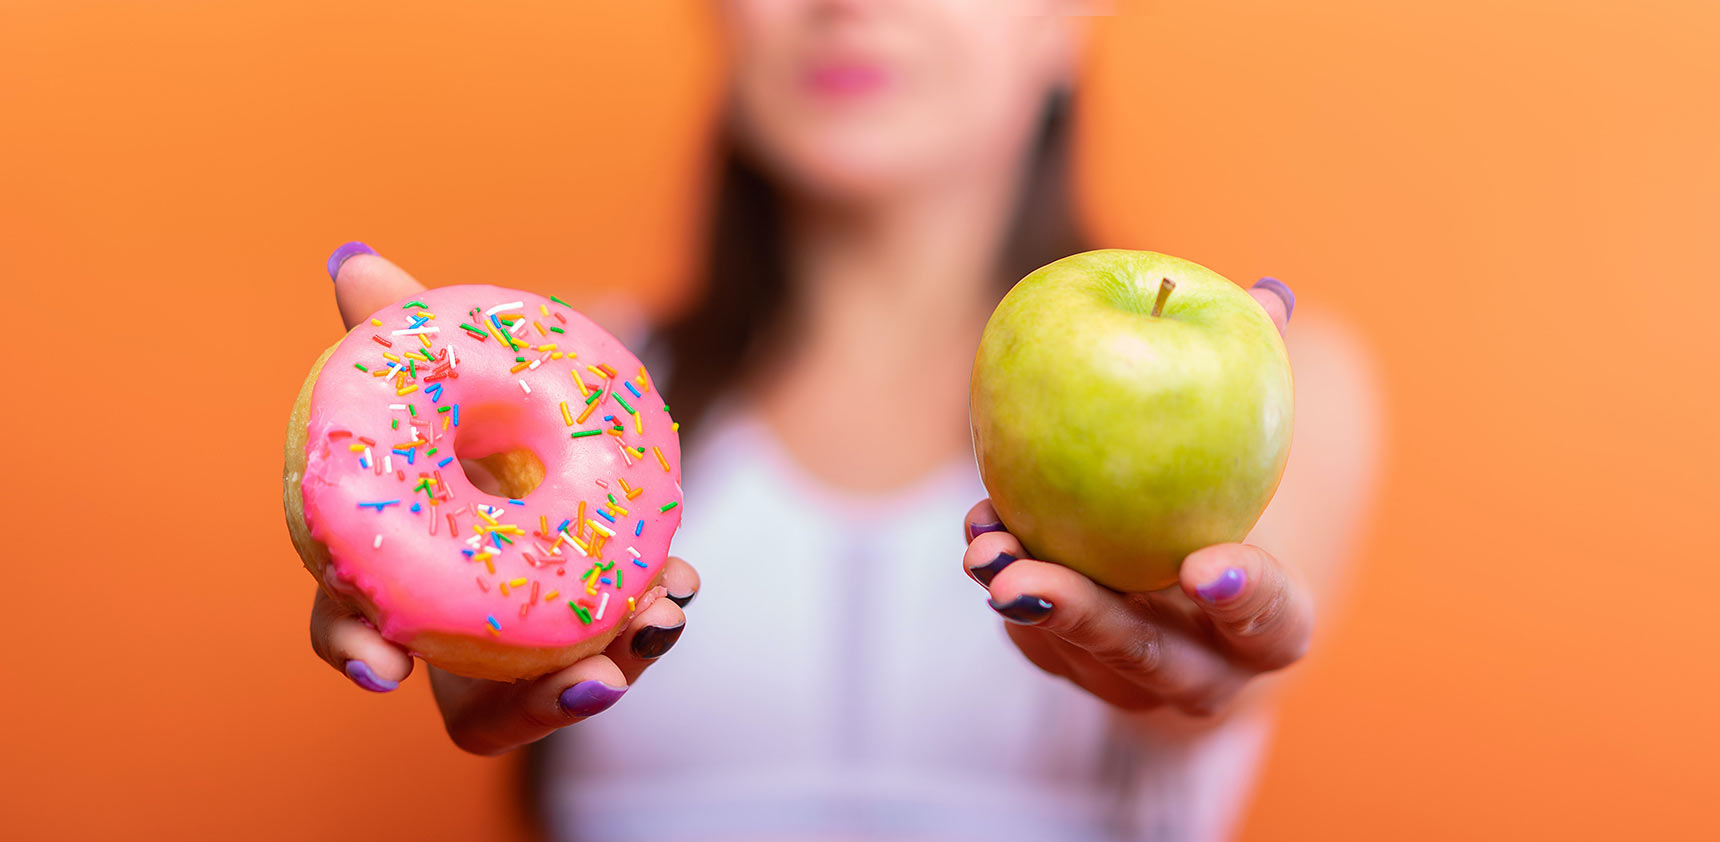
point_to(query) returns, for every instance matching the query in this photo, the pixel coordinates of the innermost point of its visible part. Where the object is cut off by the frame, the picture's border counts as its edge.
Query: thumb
(365, 282)
(1259, 608)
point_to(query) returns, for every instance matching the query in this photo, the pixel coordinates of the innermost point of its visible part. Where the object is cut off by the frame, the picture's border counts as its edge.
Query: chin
(844, 171)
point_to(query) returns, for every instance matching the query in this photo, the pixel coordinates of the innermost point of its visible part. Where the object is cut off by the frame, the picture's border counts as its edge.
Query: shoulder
(1338, 388)
(1336, 447)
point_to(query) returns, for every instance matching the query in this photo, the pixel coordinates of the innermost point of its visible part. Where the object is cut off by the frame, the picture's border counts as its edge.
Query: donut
(517, 583)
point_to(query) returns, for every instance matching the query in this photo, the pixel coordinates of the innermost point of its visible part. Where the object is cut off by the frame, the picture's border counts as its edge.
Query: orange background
(1512, 201)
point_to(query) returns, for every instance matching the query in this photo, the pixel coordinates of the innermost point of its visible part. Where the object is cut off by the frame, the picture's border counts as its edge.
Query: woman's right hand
(484, 717)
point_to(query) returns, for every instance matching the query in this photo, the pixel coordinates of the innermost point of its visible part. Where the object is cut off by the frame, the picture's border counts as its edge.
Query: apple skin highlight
(1116, 442)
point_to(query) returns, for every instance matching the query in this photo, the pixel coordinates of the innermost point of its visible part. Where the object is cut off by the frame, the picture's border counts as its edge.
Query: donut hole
(489, 452)
(512, 473)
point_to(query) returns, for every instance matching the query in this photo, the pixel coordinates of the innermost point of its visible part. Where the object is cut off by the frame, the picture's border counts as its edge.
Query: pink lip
(849, 79)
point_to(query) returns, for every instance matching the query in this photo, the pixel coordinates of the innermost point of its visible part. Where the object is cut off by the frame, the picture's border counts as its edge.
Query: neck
(891, 297)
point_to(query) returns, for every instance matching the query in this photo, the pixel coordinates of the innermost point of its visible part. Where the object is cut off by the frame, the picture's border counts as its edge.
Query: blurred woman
(889, 169)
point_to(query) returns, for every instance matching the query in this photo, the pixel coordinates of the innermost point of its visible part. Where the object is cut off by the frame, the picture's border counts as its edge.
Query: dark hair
(745, 293)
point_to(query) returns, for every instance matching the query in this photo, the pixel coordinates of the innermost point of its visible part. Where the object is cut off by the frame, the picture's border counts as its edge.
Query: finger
(648, 636)
(1043, 649)
(1085, 671)
(1145, 643)
(1275, 296)
(986, 557)
(365, 282)
(342, 637)
(982, 518)
(989, 554)
(681, 580)
(491, 717)
(1260, 609)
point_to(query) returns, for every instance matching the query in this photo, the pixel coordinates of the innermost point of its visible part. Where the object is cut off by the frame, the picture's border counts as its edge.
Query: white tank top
(845, 681)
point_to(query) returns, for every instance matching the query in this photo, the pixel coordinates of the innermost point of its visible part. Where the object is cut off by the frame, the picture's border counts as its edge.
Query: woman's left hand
(1237, 612)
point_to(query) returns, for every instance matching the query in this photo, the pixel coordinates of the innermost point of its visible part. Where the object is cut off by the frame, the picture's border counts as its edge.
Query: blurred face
(850, 100)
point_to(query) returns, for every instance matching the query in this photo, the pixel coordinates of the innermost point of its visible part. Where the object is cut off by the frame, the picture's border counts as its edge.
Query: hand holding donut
(1237, 613)
(489, 717)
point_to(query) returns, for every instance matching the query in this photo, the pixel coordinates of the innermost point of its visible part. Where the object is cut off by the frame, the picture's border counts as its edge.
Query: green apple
(1129, 408)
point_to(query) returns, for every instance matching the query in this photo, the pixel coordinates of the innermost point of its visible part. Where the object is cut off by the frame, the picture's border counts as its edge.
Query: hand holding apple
(1238, 612)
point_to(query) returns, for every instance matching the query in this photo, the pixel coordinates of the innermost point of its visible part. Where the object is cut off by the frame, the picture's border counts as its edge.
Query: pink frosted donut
(485, 585)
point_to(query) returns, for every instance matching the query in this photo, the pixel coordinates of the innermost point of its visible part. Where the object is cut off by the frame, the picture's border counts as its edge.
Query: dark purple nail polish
(682, 599)
(589, 698)
(988, 571)
(652, 641)
(1025, 610)
(977, 529)
(1282, 290)
(1228, 584)
(346, 252)
(362, 675)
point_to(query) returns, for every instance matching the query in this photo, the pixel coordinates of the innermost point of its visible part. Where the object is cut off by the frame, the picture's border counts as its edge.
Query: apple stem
(1165, 287)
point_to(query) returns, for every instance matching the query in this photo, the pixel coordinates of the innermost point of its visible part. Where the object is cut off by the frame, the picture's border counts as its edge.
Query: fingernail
(682, 599)
(1282, 290)
(977, 529)
(362, 675)
(346, 252)
(652, 641)
(988, 571)
(1226, 586)
(1025, 610)
(589, 698)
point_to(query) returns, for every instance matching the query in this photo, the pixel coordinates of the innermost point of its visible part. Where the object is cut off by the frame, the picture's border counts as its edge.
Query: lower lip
(847, 80)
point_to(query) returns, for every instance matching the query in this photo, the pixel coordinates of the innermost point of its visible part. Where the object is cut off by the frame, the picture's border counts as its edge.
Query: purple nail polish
(346, 252)
(988, 571)
(977, 529)
(1228, 584)
(589, 698)
(1280, 289)
(682, 600)
(362, 675)
(1024, 610)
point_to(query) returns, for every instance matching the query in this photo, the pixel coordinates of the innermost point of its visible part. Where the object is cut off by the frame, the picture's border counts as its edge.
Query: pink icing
(424, 578)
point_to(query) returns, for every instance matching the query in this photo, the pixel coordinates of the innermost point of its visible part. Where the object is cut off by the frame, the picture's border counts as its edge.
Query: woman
(891, 169)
